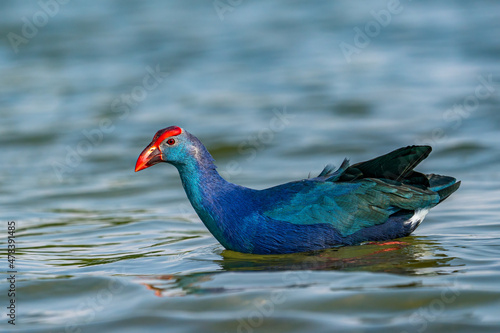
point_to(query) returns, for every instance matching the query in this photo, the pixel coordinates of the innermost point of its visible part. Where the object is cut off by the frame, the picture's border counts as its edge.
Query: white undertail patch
(418, 217)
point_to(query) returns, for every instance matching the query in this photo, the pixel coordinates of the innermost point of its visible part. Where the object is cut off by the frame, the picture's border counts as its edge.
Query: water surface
(267, 87)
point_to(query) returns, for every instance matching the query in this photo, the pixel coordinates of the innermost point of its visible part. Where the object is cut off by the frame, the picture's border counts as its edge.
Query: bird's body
(376, 200)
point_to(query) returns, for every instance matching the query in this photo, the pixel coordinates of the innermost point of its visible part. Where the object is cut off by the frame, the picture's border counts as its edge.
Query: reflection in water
(410, 256)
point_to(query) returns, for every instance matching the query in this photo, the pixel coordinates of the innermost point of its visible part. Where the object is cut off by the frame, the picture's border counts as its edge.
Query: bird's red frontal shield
(152, 153)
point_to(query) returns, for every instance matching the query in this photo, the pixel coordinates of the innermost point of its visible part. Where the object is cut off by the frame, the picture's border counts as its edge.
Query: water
(270, 92)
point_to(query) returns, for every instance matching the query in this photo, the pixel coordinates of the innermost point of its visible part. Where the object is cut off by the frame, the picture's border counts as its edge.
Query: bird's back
(378, 199)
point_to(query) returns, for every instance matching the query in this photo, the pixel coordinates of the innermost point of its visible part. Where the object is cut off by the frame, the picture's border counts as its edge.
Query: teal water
(269, 89)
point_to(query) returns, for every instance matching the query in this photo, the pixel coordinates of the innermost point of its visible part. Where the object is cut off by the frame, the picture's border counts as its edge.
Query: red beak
(150, 156)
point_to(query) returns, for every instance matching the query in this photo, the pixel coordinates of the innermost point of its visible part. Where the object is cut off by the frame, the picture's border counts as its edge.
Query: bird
(377, 200)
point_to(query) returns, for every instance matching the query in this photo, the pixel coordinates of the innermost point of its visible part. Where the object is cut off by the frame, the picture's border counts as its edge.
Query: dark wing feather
(397, 165)
(364, 194)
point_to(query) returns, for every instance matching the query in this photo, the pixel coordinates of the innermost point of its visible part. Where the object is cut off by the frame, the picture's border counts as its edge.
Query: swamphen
(380, 199)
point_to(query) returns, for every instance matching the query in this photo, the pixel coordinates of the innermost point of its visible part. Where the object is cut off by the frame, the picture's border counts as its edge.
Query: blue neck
(206, 191)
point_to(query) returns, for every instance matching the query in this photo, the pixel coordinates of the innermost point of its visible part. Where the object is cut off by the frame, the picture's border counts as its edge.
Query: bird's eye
(170, 142)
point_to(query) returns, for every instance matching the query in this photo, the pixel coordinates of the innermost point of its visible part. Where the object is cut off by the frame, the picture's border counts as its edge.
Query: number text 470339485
(11, 272)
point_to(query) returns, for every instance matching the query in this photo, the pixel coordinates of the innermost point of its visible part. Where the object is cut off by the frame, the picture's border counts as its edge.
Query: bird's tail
(443, 185)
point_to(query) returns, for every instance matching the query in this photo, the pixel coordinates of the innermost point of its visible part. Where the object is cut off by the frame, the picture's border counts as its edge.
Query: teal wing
(362, 195)
(348, 206)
